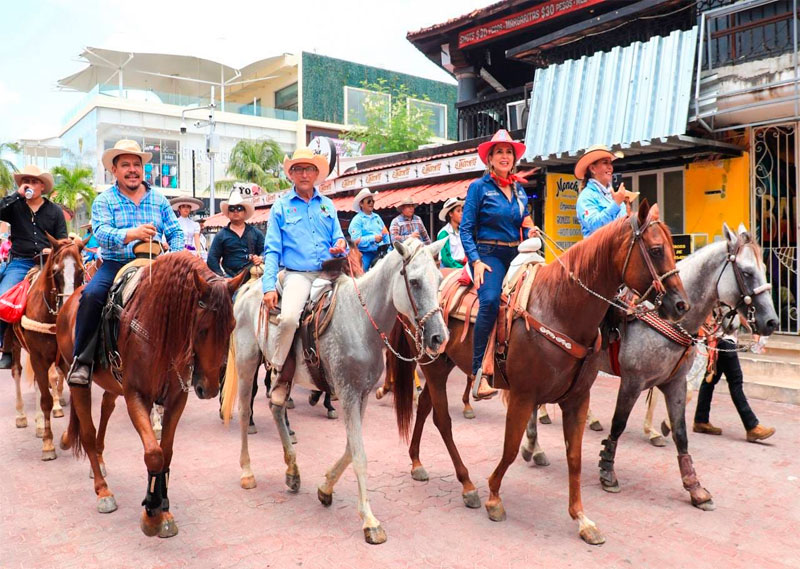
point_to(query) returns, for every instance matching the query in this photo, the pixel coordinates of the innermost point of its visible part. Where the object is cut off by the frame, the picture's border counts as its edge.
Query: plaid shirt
(113, 214)
(402, 227)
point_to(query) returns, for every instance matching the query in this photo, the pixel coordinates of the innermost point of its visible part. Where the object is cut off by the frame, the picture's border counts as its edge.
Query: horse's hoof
(149, 525)
(49, 454)
(379, 394)
(106, 504)
(251, 430)
(22, 422)
(332, 414)
(610, 488)
(708, 506)
(471, 499)
(592, 535)
(39, 432)
(168, 527)
(540, 459)
(497, 513)
(469, 413)
(527, 455)
(545, 420)
(324, 498)
(420, 474)
(665, 428)
(596, 426)
(374, 536)
(58, 413)
(658, 441)
(293, 483)
(248, 482)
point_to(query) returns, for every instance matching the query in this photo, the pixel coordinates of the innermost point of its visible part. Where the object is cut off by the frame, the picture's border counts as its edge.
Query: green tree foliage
(73, 185)
(259, 162)
(7, 168)
(395, 127)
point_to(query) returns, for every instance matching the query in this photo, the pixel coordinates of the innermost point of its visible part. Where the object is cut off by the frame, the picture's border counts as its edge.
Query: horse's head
(415, 291)
(649, 263)
(65, 266)
(742, 284)
(211, 331)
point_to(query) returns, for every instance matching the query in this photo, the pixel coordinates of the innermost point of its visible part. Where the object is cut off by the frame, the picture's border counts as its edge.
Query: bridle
(657, 283)
(746, 293)
(59, 296)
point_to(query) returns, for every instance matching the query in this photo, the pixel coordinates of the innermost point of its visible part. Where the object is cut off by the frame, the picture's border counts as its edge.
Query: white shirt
(190, 229)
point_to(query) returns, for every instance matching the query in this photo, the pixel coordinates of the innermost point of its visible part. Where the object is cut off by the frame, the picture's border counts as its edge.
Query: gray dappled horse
(406, 281)
(648, 359)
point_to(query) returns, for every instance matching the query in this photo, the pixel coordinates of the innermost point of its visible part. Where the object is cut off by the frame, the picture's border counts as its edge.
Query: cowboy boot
(482, 389)
(759, 433)
(706, 429)
(282, 382)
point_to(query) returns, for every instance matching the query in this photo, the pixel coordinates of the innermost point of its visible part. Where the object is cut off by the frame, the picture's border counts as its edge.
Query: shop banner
(560, 220)
(682, 245)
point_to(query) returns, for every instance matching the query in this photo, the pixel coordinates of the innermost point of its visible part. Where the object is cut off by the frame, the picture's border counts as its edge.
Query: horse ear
(436, 247)
(201, 284)
(400, 248)
(644, 209)
(237, 281)
(729, 235)
(744, 234)
(53, 241)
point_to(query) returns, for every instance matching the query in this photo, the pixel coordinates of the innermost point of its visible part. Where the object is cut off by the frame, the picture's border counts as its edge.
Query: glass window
(648, 188)
(286, 98)
(163, 170)
(356, 101)
(438, 115)
(673, 200)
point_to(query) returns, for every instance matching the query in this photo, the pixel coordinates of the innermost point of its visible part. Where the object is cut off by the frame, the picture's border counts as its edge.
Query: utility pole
(212, 144)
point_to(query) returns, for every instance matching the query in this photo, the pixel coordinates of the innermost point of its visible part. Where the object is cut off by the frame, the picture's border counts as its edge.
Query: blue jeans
(90, 309)
(366, 259)
(498, 258)
(13, 273)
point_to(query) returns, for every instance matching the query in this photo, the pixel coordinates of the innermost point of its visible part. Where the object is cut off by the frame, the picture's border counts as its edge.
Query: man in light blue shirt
(303, 232)
(367, 229)
(598, 203)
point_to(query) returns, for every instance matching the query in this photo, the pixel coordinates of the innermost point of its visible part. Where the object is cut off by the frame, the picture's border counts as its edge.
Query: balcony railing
(484, 116)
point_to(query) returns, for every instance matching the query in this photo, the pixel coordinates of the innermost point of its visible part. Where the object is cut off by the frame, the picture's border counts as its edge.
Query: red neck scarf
(503, 182)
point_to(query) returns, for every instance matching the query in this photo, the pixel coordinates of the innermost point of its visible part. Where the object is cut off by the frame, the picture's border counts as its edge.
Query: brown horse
(61, 275)
(538, 369)
(176, 329)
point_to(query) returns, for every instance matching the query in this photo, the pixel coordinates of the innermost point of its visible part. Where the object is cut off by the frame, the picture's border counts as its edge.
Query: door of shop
(775, 155)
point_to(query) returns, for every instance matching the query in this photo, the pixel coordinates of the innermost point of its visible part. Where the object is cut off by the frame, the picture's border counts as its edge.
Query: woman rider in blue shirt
(494, 210)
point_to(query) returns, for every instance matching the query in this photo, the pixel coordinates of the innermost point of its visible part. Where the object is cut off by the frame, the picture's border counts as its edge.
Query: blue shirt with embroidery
(366, 227)
(488, 214)
(299, 235)
(114, 213)
(595, 207)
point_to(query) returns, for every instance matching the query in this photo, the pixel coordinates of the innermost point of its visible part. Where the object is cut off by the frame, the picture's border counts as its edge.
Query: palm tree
(258, 161)
(7, 167)
(73, 185)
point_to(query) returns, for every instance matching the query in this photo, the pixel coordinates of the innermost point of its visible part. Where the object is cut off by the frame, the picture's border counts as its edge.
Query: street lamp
(212, 140)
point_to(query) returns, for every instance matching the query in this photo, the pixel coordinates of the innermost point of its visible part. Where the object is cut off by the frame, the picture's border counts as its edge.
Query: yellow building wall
(560, 221)
(717, 192)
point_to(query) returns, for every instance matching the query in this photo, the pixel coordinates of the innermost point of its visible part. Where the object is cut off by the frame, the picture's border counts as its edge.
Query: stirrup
(476, 386)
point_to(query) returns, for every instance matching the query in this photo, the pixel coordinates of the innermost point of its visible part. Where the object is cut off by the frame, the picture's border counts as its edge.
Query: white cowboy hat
(500, 137)
(306, 156)
(236, 199)
(194, 203)
(31, 171)
(450, 204)
(124, 146)
(592, 155)
(364, 193)
(407, 201)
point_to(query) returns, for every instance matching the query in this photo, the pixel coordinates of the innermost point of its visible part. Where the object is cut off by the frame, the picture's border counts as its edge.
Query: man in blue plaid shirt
(128, 212)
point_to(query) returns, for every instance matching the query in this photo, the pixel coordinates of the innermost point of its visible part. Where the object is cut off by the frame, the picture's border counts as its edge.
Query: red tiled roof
(465, 19)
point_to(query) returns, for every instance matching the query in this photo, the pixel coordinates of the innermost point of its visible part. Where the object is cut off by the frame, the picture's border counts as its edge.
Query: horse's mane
(586, 259)
(165, 304)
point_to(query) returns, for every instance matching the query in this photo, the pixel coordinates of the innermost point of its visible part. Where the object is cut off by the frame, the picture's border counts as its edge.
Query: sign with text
(520, 20)
(560, 220)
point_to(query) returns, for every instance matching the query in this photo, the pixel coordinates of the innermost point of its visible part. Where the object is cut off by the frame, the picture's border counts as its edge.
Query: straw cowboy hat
(236, 199)
(194, 203)
(31, 171)
(592, 155)
(500, 137)
(124, 146)
(306, 156)
(364, 193)
(406, 201)
(450, 204)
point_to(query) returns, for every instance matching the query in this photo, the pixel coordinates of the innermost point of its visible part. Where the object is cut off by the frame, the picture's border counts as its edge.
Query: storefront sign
(520, 20)
(560, 219)
(682, 245)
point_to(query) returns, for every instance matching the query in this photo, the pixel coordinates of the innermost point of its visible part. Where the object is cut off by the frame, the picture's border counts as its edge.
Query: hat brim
(404, 204)
(316, 160)
(45, 178)
(357, 201)
(111, 153)
(485, 147)
(591, 157)
(249, 209)
(443, 213)
(194, 203)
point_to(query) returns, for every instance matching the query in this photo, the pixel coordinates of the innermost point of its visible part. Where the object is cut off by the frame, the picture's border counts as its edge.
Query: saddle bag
(13, 302)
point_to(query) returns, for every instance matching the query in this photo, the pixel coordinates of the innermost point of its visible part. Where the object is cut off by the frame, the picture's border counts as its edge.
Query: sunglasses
(367, 200)
(235, 208)
(304, 169)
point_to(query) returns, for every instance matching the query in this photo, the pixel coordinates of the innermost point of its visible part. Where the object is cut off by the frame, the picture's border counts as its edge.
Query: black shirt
(28, 229)
(234, 250)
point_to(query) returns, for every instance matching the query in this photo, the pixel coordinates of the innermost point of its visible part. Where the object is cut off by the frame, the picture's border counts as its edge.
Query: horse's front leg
(530, 446)
(56, 390)
(40, 372)
(247, 379)
(629, 391)
(106, 409)
(675, 395)
(469, 412)
(574, 415)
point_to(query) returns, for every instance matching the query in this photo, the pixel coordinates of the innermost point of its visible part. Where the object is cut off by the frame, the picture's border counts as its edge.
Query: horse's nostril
(772, 325)
(198, 389)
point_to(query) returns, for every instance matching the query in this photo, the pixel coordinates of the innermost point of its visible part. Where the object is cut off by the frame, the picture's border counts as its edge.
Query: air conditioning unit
(517, 115)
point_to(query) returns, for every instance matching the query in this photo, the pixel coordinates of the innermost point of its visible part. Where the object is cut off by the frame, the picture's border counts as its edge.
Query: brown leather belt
(496, 242)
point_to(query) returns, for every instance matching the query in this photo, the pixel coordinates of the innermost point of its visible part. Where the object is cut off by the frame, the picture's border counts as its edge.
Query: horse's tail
(231, 385)
(73, 433)
(400, 373)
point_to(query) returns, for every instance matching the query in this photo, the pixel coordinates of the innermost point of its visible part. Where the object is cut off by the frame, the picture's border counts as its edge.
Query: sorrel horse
(61, 275)
(173, 337)
(636, 252)
(404, 282)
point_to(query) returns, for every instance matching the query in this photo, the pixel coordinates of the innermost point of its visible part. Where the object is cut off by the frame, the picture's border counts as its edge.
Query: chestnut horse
(174, 333)
(634, 251)
(61, 275)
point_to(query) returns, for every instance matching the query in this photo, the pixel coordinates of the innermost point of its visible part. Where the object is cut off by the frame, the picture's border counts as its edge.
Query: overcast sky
(42, 40)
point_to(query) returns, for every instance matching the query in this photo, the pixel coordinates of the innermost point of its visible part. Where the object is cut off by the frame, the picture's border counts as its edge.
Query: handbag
(13, 301)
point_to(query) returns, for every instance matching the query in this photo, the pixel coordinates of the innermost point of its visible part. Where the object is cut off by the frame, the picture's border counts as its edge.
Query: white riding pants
(296, 289)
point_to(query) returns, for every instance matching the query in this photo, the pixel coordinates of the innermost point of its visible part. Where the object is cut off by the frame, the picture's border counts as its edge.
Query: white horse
(406, 281)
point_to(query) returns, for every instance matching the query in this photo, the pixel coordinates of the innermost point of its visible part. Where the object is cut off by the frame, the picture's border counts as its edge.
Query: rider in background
(127, 212)
(184, 207)
(237, 245)
(494, 211)
(367, 229)
(407, 224)
(599, 203)
(452, 255)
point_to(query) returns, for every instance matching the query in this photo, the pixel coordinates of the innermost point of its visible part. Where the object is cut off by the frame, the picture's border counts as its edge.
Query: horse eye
(203, 333)
(657, 251)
